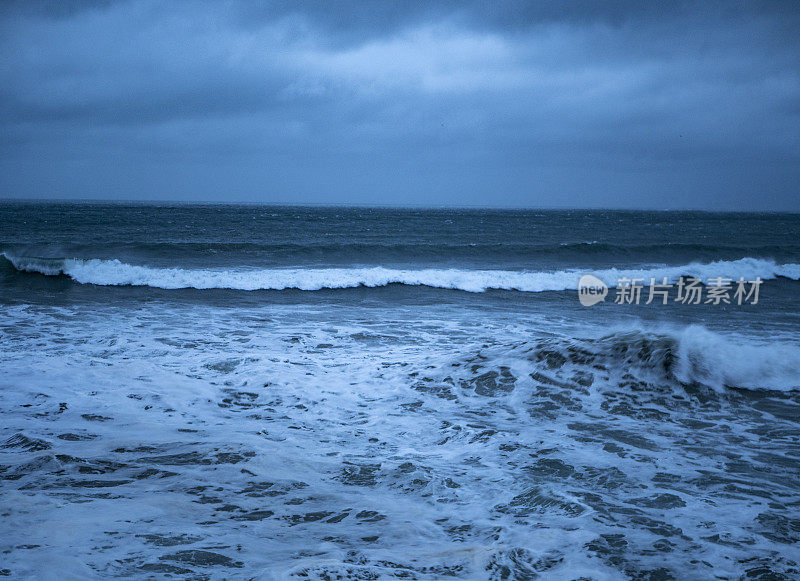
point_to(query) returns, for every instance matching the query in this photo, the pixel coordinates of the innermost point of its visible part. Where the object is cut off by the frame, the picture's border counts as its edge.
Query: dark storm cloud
(506, 103)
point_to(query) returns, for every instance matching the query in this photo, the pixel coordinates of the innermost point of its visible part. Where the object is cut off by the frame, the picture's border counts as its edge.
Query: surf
(116, 273)
(652, 358)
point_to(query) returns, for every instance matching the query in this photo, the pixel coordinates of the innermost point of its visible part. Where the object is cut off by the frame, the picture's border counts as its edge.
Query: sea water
(214, 391)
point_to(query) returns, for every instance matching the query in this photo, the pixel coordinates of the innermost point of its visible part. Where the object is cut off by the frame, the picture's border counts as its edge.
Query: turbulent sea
(286, 392)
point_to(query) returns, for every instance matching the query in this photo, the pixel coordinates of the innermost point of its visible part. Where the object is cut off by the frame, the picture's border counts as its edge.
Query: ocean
(257, 392)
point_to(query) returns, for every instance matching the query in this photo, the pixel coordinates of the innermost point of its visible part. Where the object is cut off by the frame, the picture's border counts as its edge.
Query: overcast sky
(576, 104)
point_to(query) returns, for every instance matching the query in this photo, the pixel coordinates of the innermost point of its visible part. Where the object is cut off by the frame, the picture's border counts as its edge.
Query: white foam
(717, 361)
(115, 273)
(322, 412)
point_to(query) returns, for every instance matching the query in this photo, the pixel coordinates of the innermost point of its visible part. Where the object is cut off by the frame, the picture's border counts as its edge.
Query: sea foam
(115, 273)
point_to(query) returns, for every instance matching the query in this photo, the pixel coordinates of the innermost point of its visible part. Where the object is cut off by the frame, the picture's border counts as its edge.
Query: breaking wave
(689, 355)
(116, 273)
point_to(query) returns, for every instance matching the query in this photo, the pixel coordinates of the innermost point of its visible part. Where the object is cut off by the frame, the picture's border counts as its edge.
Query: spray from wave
(116, 273)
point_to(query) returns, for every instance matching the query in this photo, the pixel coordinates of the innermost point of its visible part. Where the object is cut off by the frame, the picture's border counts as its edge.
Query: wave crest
(691, 355)
(116, 273)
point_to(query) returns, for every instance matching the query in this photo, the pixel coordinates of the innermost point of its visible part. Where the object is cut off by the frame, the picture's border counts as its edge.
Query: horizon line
(365, 205)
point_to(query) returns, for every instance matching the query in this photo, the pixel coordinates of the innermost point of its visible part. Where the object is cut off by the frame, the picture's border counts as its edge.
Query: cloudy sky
(576, 104)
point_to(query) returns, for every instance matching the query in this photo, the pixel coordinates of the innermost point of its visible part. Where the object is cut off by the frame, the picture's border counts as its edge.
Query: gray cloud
(512, 103)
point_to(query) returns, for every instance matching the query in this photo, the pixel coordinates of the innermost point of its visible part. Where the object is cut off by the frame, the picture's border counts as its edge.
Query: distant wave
(406, 248)
(116, 273)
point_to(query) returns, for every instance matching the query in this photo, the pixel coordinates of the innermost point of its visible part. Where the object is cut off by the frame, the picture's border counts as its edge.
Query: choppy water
(436, 403)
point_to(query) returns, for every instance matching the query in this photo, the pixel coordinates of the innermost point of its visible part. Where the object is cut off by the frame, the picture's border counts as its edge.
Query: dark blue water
(221, 235)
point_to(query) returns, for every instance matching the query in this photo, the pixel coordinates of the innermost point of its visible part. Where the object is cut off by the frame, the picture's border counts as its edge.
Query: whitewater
(115, 273)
